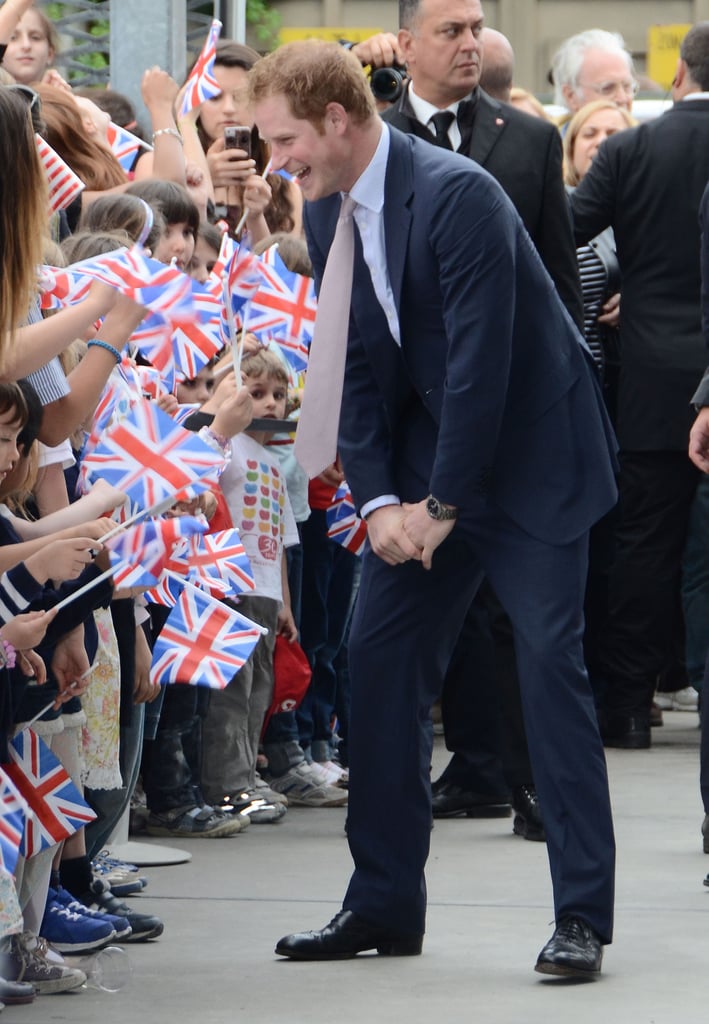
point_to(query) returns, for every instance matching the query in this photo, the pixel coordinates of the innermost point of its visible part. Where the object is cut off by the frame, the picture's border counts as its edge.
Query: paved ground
(489, 913)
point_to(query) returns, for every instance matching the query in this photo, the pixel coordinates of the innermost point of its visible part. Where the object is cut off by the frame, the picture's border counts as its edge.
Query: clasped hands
(401, 533)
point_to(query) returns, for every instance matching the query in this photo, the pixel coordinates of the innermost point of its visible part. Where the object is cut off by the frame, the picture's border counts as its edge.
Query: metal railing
(84, 30)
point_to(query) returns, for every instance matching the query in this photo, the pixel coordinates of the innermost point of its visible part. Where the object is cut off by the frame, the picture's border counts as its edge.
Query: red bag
(292, 674)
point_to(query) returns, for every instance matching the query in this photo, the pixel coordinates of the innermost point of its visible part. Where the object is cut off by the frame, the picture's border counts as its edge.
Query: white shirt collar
(696, 96)
(424, 110)
(368, 190)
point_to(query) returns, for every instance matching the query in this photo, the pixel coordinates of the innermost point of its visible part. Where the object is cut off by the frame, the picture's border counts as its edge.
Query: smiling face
(443, 50)
(322, 162)
(597, 127)
(29, 52)
(230, 106)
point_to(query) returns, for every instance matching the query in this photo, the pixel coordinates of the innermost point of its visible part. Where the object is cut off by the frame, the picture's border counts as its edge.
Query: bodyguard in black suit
(524, 155)
(474, 438)
(647, 183)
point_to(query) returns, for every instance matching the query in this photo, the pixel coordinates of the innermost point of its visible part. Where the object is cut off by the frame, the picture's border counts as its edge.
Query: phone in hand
(238, 136)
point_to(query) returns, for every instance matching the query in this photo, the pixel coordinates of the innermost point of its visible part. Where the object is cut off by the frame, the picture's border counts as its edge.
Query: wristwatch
(438, 511)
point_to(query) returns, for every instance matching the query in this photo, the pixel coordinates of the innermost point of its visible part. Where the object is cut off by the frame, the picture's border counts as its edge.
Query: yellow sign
(663, 43)
(330, 35)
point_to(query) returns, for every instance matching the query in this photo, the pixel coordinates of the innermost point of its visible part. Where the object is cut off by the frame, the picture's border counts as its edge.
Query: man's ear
(406, 42)
(336, 117)
(570, 97)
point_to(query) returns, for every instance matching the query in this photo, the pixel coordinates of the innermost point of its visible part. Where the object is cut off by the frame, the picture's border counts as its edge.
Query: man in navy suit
(473, 437)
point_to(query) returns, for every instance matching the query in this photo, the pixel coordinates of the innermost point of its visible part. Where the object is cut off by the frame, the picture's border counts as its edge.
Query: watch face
(433, 508)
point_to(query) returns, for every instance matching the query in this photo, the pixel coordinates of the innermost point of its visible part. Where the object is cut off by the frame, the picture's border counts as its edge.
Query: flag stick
(83, 590)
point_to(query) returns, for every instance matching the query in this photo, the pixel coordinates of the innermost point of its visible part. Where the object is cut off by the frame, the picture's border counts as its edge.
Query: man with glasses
(593, 65)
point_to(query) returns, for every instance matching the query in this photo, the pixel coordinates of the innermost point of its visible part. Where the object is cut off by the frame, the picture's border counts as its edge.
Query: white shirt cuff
(380, 502)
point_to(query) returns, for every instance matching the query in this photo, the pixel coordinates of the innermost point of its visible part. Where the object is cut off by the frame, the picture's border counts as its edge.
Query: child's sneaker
(195, 823)
(70, 932)
(121, 928)
(143, 926)
(24, 958)
(305, 787)
(123, 879)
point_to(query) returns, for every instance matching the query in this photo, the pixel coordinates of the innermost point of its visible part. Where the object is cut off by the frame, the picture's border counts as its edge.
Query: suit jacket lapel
(398, 191)
(490, 121)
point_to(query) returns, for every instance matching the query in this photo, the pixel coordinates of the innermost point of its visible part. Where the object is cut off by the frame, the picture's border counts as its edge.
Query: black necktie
(442, 122)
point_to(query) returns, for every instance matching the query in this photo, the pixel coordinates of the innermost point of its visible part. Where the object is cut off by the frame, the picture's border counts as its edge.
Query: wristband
(97, 343)
(168, 131)
(7, 654)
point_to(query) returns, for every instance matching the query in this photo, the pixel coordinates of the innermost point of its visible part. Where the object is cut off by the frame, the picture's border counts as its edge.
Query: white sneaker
(306, 788)
(264, 791)
(686, 699)
(331, 773)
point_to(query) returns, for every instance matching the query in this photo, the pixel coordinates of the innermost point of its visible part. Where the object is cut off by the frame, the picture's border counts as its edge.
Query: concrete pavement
(489, 914)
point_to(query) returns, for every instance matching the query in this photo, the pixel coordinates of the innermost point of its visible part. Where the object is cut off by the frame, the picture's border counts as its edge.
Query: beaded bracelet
(168, 131)
(7, 654)
(97, 343)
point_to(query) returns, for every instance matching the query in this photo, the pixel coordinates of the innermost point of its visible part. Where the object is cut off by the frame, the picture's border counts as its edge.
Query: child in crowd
(255, 491)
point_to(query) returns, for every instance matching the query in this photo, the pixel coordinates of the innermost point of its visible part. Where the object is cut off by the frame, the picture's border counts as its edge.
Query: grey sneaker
(264, 791)
(304, 787)
(28, 958)
(195, 823)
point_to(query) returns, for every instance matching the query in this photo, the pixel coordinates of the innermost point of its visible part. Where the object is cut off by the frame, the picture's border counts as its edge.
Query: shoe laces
(573, 929)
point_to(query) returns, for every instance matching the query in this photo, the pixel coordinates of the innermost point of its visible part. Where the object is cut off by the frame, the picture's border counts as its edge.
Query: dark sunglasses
(31, 97)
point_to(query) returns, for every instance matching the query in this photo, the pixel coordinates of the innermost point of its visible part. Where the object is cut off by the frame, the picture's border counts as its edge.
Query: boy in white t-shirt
(256, 494)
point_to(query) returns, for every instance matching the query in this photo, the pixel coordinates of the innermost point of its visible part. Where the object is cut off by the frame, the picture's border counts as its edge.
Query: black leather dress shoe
(451, 801)
(573, 951)
(528, 821)
(346, 936)
(627, 732)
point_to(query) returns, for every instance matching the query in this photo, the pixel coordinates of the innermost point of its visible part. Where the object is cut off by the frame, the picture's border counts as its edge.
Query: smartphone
(238, 136)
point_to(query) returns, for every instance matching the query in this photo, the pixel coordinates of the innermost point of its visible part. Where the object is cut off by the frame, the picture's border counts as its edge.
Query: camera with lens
(388, 83)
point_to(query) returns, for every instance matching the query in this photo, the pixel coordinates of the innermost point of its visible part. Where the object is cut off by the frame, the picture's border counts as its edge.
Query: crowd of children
(75, 660)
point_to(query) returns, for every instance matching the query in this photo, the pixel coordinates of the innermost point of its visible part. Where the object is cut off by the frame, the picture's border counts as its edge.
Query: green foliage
(265, 22)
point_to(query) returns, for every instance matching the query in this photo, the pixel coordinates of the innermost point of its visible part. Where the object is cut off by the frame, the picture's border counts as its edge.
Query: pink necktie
(316, 437)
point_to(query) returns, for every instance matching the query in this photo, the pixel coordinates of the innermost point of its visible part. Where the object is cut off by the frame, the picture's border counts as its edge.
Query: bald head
(498, 64)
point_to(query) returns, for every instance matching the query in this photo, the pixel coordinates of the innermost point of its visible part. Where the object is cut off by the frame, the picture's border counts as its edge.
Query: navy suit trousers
(405, 627)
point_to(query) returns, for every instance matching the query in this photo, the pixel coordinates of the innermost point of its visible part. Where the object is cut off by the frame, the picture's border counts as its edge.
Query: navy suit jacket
(492, 391)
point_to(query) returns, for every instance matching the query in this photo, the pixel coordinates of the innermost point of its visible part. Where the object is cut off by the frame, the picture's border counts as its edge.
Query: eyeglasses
(609, 89)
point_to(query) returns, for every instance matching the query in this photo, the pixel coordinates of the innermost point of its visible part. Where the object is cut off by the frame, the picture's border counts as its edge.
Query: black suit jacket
(647, 184)
(524, 154)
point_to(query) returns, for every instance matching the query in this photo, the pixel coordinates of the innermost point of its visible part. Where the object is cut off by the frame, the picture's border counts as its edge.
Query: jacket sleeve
(593, 201)
(555, 238)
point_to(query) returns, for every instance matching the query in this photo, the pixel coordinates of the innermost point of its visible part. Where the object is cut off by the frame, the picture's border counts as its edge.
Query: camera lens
(387, 83)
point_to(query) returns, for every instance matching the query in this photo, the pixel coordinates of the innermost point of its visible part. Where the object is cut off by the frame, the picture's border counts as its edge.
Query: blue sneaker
(69, 932)
(123, 879)
(121, 927)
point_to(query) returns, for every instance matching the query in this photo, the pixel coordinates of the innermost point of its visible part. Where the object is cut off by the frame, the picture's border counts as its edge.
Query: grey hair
(566, 62)
(408, 9)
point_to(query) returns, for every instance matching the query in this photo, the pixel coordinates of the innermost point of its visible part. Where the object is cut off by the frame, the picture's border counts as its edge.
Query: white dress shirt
(424, 112)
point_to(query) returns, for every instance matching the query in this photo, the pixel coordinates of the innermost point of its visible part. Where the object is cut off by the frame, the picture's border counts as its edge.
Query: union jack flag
(202, 85)
(64, 186)
(193, 345)
(241, 278)
(218, 563)
(124, 145)
(13, 813)
(165, 592)
(284, 304)
(150, 457)
(140, 552)
(61, 288)
(343, 524)
(57, 809)
(162, 289)
(203, 642)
